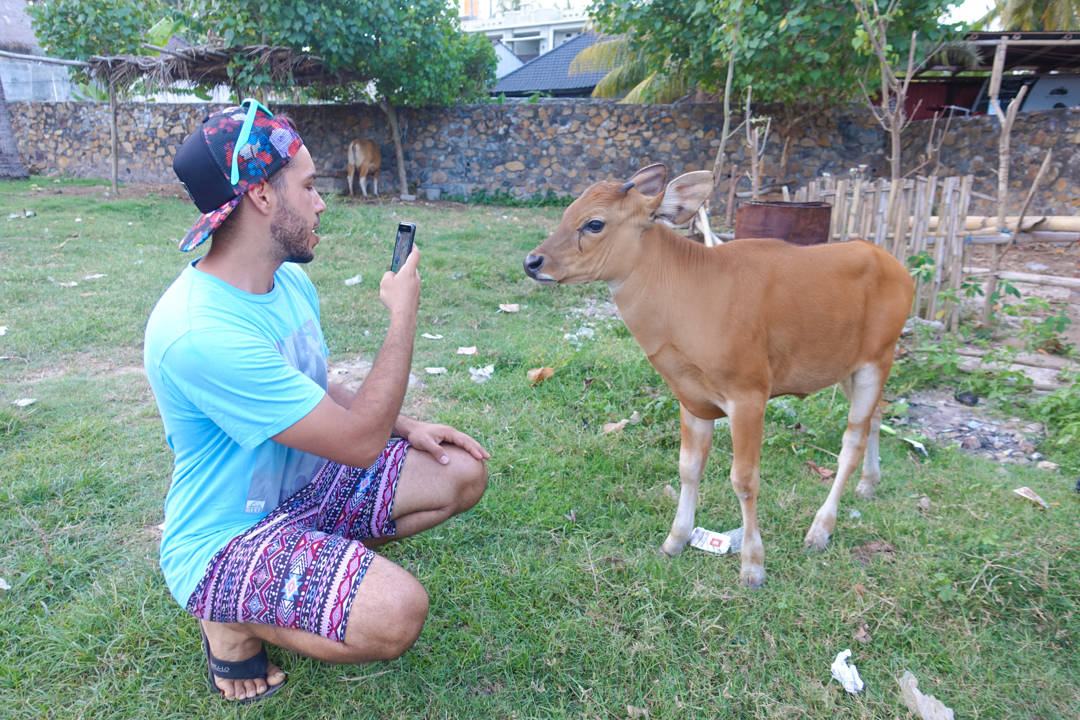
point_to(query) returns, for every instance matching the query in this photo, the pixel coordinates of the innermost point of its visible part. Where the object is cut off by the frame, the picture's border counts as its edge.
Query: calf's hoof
(865, 490)
(753, 576)
(816, 539)
(670, 548)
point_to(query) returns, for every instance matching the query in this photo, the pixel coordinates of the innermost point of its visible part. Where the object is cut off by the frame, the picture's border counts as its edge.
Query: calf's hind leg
(863, 388)
(697, 437)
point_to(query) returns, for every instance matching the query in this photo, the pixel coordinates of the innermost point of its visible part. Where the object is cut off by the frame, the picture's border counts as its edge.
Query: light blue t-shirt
(230, 370)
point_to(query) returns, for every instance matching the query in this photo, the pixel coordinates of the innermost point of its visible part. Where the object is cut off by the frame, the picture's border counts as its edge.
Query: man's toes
(274, 675)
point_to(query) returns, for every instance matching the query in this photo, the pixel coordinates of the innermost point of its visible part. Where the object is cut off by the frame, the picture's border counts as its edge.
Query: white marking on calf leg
(697, 435)
(871, 466)
(863, 388)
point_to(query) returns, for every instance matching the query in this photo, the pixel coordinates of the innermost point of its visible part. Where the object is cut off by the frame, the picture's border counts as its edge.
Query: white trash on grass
(479, 375)
(926, 707)
(847, 674)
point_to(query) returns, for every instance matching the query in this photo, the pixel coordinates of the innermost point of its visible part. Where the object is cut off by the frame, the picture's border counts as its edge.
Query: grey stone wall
(554, 147)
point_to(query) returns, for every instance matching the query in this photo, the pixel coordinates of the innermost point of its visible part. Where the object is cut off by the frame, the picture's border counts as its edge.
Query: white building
(531, 30)
(25, 79)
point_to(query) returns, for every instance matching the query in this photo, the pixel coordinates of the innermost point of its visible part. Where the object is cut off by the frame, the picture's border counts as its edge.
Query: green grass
(533, 615)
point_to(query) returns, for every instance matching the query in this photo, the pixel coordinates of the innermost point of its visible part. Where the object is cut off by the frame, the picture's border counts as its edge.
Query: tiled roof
(550, 72)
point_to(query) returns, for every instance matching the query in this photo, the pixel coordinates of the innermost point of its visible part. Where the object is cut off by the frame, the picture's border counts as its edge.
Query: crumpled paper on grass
(846, 674)
(926, 707)
(483, 374)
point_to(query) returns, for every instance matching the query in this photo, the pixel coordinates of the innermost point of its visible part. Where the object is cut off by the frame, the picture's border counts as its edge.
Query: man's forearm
(383, 391)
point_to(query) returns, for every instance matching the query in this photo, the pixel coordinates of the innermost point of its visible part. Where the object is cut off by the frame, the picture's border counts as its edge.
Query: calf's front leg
(747, 427)
(697, 437)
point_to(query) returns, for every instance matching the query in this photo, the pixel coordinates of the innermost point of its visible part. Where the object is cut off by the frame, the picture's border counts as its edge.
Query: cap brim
(207, 224)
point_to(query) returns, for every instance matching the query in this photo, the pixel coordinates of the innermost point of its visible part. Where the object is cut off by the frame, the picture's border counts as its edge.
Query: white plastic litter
(470, 350)
(435, 370)
(483, 374)
(583, 333)
(926, 707)
(3, 329)
(846, 673)
(4, 584)
(23, 402)
(429, 336)
(917, 445)
(354, 280)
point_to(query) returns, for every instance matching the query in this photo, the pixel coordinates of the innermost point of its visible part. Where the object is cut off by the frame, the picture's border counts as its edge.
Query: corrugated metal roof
(550, 72)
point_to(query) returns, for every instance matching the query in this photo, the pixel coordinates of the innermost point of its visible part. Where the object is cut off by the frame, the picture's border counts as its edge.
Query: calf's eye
(594, 226)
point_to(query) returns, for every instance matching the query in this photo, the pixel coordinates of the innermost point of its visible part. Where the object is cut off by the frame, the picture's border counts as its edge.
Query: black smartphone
(406, 231)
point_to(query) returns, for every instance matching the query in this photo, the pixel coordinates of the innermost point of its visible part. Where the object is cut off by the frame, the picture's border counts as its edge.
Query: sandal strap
(254, 667)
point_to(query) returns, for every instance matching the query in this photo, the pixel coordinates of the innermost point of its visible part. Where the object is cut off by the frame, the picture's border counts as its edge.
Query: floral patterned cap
(232, 150)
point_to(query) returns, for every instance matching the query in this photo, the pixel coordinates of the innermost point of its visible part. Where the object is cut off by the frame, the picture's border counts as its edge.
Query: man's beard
(290, 236)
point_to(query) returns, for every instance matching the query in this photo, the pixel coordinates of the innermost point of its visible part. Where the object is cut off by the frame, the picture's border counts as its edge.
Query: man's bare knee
(387, 615)
(471, 483)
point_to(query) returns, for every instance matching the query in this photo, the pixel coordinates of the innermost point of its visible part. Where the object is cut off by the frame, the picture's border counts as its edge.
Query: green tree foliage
(795, 52)
(77, 30)
(1037, 14)
(415, 53)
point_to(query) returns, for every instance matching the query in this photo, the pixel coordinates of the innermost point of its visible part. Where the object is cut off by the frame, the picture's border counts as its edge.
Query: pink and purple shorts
(301, 565)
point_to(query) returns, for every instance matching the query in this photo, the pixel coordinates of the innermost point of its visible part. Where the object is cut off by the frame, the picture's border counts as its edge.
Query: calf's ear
(650, 180)
(684, 195)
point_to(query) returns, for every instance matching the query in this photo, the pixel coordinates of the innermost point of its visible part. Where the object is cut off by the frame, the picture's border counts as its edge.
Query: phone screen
(402, 244)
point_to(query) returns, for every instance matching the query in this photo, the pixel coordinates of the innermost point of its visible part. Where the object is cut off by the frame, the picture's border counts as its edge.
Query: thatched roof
(210, 65)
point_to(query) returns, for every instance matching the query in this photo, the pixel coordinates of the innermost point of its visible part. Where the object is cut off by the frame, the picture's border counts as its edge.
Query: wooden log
(1055, 223)
(1032, 278)
(1050, 362)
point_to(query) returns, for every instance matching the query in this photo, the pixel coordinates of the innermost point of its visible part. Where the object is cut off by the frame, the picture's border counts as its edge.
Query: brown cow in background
(364, 159)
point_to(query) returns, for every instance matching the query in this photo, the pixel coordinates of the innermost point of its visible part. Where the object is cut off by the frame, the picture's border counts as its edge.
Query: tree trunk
(114, 145)
(11, 166)
(399, 153)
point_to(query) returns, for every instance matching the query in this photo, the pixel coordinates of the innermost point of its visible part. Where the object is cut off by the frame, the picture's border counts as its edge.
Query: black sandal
(254, 667)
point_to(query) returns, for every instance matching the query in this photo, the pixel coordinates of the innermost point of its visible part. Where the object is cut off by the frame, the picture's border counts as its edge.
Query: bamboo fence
(860, 208)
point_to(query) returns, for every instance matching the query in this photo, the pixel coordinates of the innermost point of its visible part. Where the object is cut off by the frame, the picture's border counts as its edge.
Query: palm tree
(1034, 15)
(11, 166)
(628, 74)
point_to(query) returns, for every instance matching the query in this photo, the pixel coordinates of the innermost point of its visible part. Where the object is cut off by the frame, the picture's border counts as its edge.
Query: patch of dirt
(133, 190)
(865, 553)
(1056, 259)
(939, 417)
(351, 374)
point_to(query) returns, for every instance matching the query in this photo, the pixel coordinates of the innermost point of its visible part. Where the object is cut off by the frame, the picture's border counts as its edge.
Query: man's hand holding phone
(399, 289)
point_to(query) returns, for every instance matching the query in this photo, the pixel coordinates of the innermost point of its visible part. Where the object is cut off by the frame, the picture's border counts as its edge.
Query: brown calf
(731, 326)
(364, 159)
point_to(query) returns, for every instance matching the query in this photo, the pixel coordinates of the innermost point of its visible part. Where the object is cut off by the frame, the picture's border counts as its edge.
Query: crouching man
(284, 482)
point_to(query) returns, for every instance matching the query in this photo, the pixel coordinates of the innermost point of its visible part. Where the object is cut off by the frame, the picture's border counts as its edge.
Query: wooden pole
(1003, 168)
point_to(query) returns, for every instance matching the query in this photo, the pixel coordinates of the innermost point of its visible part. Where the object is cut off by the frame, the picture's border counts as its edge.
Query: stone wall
(553, 147)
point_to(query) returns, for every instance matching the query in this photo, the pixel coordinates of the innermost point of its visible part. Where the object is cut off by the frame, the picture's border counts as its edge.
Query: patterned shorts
(301, 565)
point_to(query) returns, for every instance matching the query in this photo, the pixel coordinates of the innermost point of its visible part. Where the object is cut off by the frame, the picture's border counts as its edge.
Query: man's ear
(260, 196)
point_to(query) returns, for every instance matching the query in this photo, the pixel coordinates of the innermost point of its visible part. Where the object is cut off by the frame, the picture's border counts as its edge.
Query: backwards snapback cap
(232, 150)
